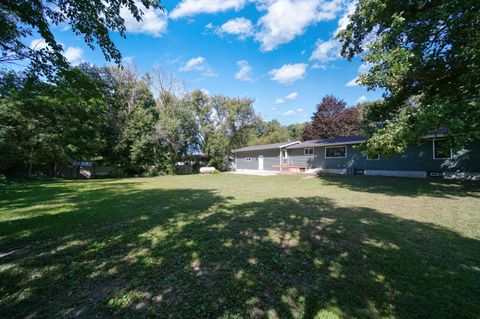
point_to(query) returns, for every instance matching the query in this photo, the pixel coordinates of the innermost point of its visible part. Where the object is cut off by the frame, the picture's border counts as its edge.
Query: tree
(175, 130)
(46, 125)
(270, 132)
(295, 131)
(93, 20)
(332, 119)
(424, 56)
(234, 120)
(131, 116)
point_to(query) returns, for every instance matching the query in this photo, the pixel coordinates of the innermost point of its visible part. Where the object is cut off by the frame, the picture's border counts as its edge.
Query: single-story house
(341, 155)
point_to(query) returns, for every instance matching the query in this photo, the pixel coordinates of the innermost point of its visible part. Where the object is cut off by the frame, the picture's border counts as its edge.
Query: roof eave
(326, 144)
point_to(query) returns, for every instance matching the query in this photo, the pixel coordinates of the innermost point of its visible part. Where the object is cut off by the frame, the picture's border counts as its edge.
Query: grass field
(236, 246)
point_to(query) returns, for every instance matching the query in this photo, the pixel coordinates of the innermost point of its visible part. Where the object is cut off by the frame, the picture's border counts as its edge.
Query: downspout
(281, 158)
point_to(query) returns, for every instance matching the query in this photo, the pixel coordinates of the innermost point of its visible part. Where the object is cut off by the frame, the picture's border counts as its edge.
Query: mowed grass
(234, 246)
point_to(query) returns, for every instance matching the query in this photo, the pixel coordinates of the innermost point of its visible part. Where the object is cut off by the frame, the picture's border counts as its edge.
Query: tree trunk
(30, 163)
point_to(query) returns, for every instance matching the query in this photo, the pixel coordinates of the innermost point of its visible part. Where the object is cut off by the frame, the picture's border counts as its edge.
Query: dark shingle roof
(264, 147)
(330, 141)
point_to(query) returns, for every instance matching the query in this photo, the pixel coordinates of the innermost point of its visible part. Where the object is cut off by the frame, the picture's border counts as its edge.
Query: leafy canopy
(425, 55)
(90, 19)
(332, 118)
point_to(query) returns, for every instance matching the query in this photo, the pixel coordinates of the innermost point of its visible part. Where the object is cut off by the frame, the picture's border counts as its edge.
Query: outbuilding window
(308, 151)
(336, 152)
(441, 150)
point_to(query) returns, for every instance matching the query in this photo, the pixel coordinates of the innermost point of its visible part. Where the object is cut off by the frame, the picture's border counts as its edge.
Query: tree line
(139, 123)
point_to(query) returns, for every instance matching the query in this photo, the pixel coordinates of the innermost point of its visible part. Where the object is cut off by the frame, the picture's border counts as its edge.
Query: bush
(216, 171)
(325, 314)
(117, 173)
(153, 171)
(3, 179)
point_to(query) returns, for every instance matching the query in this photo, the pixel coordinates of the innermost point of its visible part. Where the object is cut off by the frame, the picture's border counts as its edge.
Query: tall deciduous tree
(93, 20)
(425, 56)
(332, 119)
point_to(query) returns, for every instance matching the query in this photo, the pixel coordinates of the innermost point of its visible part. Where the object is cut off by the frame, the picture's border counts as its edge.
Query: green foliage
(223, 124)
(424, 55)
(91, 20)
(325, 314)
(108, 114)
(44, 125)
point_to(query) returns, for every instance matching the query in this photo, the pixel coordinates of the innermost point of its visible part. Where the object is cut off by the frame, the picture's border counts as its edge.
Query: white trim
(309, 148)
(289, 144)
(440, 158)
(346, 150)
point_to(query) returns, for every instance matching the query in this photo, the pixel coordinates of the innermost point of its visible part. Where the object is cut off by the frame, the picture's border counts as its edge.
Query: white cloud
(74, 55)
(326, 51)
(245, 71)
(289, 113)
(240, 27)
(362, 99)
(292, 96)
(192, 7)
(154, 21)
(128, 59)
(198, 64)
(299, 110)
(287, 19)
(38, 44)
(279, 101)
(289, 73)
(363, 68)
(352, 82)
(345, 19)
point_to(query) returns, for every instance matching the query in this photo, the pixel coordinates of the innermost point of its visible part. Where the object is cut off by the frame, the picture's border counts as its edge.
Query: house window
(308, 151)
(248, 159)
(441, 150)
(336, 152)
(373, 158)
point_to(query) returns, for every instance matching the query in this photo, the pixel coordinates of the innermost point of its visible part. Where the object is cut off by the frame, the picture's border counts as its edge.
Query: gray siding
(415, 158)
(270, 158)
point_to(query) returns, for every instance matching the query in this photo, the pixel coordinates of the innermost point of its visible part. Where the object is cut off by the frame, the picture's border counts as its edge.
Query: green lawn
(240, 246)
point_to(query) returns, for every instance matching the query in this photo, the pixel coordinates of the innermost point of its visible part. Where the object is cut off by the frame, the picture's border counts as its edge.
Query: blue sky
(282, 53)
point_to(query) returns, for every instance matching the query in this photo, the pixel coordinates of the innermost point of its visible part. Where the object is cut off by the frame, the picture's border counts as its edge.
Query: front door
(260, 162)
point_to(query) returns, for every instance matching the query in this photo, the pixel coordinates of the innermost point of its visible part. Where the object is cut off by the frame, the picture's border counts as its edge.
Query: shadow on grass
(183, 253)
(403, 186)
